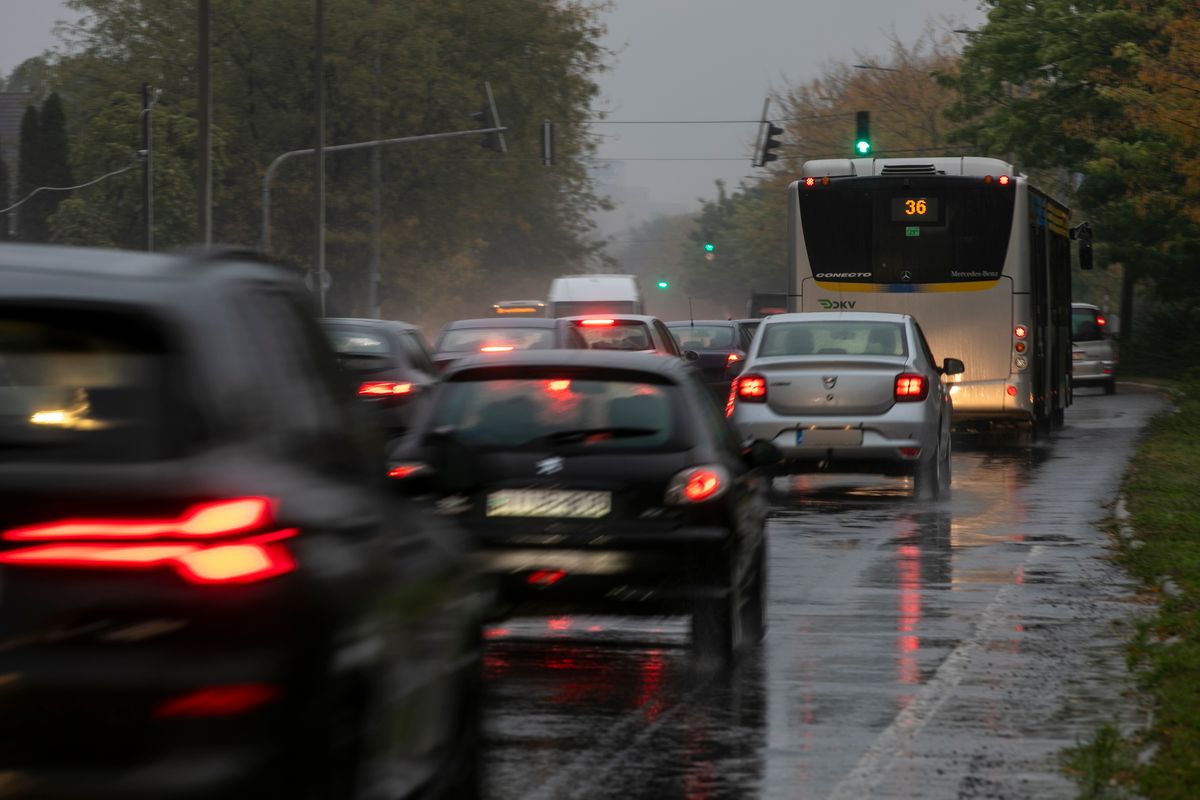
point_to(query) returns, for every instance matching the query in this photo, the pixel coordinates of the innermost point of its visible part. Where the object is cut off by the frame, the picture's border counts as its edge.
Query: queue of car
(246, 553)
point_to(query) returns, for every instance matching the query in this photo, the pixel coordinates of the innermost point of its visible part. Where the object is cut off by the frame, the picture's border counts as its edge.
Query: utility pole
(375, 276)
(204, 124)
(148, 165)
(321, 277)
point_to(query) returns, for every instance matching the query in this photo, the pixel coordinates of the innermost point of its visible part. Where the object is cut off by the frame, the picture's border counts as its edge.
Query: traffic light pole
(269, 175)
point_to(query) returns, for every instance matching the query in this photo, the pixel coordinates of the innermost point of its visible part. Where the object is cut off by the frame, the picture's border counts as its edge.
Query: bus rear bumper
(991, 400)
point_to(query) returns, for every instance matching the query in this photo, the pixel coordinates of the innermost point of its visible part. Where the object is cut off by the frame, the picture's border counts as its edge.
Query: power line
(836, 115)
(106, 176)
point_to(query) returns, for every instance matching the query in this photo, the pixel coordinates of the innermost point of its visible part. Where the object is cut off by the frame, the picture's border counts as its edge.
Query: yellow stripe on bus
(907, 288)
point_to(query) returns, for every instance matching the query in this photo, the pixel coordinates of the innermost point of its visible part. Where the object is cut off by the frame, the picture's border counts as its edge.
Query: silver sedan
(848, 392)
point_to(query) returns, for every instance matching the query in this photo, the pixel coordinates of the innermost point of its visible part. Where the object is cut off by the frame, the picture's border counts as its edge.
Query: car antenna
(691, 314)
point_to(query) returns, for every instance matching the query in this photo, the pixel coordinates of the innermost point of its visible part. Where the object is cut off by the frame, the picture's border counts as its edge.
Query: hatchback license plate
(548, 503)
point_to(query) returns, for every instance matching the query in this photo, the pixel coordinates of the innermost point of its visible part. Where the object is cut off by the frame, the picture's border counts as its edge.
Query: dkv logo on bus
(832, 305)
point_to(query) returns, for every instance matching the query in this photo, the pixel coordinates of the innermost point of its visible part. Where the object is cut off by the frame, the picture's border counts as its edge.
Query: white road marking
(895, 740)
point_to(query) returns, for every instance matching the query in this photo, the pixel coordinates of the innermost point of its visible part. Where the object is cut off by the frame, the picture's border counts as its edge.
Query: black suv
(209, 588)
(598, 482)
(388, 362)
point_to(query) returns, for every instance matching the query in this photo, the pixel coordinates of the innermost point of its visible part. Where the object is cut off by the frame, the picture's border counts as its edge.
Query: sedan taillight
(752, 389)
(911, 387)
(384, 388)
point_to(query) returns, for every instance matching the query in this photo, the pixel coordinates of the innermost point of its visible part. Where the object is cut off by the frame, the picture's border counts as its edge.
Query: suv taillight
(911, 387)
(225, 541)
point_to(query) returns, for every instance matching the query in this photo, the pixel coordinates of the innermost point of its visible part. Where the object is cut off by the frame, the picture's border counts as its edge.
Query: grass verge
(1162, 494)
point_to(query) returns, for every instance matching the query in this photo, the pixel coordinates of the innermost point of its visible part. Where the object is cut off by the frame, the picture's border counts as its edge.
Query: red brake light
(1020, 331)
(911, 387)
(543, 577)
(497, 348)
(810, 181)
(598, 323)
(384, 388)
(1002, 180)
(402, 471)
(558, 385)
(1101, 321)
(181, 544)
(752, 388)
(732, 358)
(701, 485)
(219, 701)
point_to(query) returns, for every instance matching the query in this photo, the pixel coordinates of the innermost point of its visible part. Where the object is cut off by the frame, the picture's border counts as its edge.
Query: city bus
(981, 258)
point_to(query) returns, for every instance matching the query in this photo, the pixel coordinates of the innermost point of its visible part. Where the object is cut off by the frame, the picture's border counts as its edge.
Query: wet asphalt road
(946, 649)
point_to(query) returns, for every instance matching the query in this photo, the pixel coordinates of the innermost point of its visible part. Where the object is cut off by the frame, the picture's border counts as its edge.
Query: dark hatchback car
(597, 482)
(388, 362)
(209, 589)
(721, 346)
(466, 337)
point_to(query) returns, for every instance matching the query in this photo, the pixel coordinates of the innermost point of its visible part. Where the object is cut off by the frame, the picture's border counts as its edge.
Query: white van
(572, 295)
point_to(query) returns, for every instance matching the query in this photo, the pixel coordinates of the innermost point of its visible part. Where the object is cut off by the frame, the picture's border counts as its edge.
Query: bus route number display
(914, 209)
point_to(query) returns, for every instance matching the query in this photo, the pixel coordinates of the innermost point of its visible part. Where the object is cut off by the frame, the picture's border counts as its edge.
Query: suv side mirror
(761, 454)
(952, 366)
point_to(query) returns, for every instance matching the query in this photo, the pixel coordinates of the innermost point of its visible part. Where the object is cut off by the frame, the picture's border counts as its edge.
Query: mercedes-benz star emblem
(830, 381)
(549, 466)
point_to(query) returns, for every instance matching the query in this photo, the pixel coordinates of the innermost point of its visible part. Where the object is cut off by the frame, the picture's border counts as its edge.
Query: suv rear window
(621, 334)
(553, 411)
(701, 337)
(1085, 325)
(352, 342)
(86, 386)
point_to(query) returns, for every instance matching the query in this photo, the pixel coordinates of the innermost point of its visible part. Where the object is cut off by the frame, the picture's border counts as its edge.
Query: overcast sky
(675, 60)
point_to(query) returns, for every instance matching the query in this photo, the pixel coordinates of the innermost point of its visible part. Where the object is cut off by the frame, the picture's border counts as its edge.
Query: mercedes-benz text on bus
(979, 256)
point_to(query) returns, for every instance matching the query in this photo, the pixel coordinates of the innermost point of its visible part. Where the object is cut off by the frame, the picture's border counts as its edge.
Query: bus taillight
(1020, 331)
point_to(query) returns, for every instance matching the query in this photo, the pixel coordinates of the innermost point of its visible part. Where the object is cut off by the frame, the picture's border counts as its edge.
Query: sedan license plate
(829, 437)
(548, 503)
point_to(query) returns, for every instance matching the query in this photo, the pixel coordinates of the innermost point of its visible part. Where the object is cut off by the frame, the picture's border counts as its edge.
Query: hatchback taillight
(226, 541)
(384, 388)
(697, 485)
(911, 387)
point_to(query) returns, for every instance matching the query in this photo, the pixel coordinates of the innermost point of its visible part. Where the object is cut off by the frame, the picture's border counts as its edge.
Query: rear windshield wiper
(582, 434)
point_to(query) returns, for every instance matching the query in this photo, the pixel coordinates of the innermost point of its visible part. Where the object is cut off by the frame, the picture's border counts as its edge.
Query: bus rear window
(858, 230)
(79, 386)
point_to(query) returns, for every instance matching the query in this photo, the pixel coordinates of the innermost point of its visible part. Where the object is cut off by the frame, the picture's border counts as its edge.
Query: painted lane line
(896, 739)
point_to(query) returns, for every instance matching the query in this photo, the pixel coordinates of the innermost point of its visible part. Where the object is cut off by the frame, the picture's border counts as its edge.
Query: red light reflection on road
(908, 568)
(650, 685)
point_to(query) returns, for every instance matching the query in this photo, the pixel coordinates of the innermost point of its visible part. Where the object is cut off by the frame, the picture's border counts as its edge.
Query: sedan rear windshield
(833, 339)
(351, 342)
(499, 339)
(702, 337)
(85, 386)
(555, 411)
(616, 334)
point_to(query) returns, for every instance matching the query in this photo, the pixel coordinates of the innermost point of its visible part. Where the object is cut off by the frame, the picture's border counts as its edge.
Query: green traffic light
(709, 247)
(863, 146)
(663, 284)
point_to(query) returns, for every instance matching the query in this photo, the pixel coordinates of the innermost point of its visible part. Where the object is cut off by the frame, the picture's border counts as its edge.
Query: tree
(4, 196)
(32, 225)
(55, 155)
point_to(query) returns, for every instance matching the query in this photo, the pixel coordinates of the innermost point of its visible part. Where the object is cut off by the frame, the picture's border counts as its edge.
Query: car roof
(363, 322)
(691, 323)
(1085, 305)
(501, 322)
(63, 263)
(845, 316)
(576, 359)
(647, 318)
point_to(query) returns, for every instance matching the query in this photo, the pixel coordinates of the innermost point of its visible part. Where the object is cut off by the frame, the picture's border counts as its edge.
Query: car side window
(669, 342)
(747, 337)
(417, 352)
(575, 340)
(925, 346)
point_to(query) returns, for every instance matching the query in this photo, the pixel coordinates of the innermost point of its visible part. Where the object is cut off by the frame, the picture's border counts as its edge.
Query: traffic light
(769, 144)
(862, 140)
(709, 247)
(664, 284)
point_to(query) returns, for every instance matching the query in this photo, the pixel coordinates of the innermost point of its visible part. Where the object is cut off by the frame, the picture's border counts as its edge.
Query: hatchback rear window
(620, 334)
(700, 337)
(499, 339)
(1085, 325)
(567, 411)
(351, 342)
(833, 338)
(85, 386)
